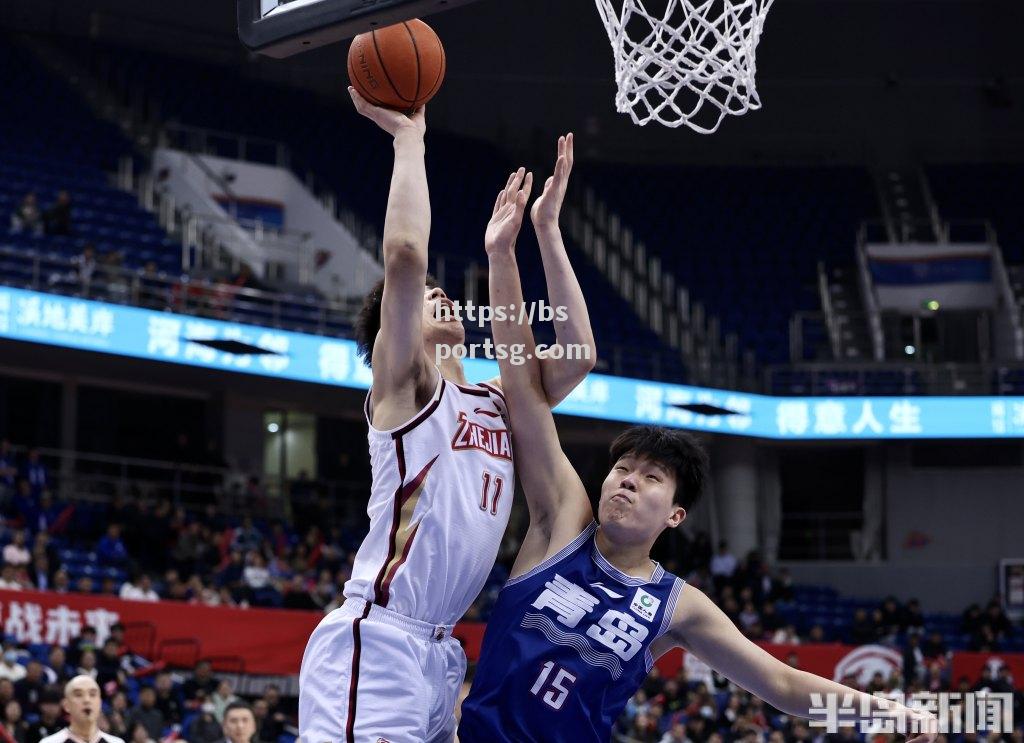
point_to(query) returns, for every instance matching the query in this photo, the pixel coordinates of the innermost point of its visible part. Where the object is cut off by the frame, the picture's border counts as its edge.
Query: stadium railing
(84, 476)
(188, 294)
(894, 379)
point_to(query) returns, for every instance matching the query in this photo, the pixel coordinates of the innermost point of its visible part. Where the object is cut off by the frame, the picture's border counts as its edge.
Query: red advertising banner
(271, 641)
(839, 662)
(971, 664)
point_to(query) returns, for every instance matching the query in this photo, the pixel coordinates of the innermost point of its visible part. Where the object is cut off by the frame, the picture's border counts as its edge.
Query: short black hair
(368, 322)
(238, 705)
(675, 450)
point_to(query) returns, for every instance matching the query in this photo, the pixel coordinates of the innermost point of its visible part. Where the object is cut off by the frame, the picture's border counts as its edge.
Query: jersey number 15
(557, 690)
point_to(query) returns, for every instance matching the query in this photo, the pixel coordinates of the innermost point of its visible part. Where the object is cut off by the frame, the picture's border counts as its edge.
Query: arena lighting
(224, 347)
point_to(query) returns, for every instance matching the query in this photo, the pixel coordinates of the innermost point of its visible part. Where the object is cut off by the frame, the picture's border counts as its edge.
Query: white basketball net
(692, 64)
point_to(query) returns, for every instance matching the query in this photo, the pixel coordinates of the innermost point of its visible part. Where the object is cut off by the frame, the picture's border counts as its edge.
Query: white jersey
(65, 736)
(440, 501)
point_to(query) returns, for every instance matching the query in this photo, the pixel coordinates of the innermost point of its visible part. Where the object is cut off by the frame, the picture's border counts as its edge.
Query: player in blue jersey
(586, 612)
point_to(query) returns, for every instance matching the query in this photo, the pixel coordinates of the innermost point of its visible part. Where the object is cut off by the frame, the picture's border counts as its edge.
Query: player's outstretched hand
(548, 206)
(390, 121)
(507, 217)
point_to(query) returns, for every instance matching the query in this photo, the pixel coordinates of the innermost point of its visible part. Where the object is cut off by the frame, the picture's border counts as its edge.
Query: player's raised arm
(398, 359)
(558, 503)
(702, 628)
(572, 322)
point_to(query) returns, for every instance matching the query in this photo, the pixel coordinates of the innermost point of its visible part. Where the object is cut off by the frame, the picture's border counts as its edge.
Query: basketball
(399, 67)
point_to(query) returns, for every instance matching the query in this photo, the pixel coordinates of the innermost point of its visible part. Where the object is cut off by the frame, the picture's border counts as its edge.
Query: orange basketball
(399, 67)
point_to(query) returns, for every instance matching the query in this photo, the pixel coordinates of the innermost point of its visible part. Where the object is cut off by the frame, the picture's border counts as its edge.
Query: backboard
(281, 28)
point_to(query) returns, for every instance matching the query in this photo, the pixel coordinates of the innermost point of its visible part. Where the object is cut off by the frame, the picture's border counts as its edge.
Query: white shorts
(370, 675)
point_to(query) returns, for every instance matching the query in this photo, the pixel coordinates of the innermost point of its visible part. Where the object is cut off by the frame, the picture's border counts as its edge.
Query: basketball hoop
(692, 65)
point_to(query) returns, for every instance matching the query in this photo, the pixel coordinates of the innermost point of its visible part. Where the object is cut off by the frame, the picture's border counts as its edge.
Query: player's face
(440, 323)
(637, 499)
(82, 702)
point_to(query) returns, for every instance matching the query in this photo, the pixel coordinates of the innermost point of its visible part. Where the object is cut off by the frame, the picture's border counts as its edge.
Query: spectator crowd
(143, 702)
(149, 549)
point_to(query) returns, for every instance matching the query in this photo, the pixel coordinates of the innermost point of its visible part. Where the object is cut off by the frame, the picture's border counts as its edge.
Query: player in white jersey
(384, 667)
(83, 704)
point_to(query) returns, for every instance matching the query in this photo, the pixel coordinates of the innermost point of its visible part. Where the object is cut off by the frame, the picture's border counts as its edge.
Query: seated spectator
(114, 277)
(1003, 682)
(231, 574)
(913, 659)
(259, 711)
(26, 217)
(677, 734)
(13, 729)
(996, 620)
(57, 669)
(9, 579)
(748, 616)
(147, 714)
(24, 503)
(57, 218)
(86, 640)
(256, 575)
(152, 290)
(119, 713)
(934, 647)
(913, 618)
(862, 629)
(10, 668)
(36, 473)
(84, 266)
(167, 699)
(87, 665)
(723, 564)
(111, 549)
(139, 589)
(222, 698)
(786, 636)
(297, 595)
(137, 733)
(40, 573)
(204, 728)
(246, 537)
(16, 553)
(273, 724)
(817, 634)
(85, 585)
(29, 689)
(884, 633)
(770, 618)
(117, 635)
(202, 680)
(51, 718)
(971, 620)
(108, 665)
(8, 468)
(893, 615)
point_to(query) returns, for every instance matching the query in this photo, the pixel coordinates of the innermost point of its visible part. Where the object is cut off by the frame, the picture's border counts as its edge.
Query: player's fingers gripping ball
(400, 67)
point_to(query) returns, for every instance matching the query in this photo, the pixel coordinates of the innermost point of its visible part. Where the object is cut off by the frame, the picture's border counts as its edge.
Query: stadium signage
(249, 349)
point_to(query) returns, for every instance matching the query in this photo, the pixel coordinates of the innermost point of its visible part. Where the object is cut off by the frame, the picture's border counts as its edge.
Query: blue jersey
(567, 645)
